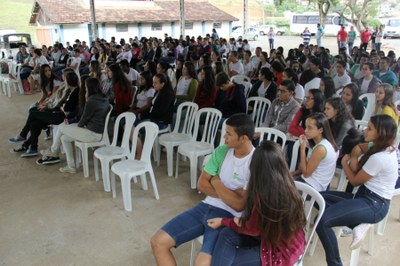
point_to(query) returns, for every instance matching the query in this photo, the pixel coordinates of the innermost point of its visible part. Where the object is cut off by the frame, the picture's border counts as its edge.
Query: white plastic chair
(272, 134)
(157, 148)
(260, 109)
(177, 137)
(194, 149)
(240, 79)
(247, 88)
(84, 147)
(131, 168)
(371, 103)
(108, 154)
(17, 83)
(310, 197)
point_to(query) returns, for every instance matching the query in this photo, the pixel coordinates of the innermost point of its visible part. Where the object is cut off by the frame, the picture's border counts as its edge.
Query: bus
(299, 22)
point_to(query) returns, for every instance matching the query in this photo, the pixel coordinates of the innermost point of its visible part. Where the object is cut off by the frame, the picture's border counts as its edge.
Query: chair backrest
(240, 79)
(361, 125)
(151, 132)
(339, 91)
(247, 88)
(311, 197)
(128, 118)
(189, 109)
(295, 155)
(105, 136)
(272, 134)
(370, 107)
(223, 131)
(260, 109)
(211, 120)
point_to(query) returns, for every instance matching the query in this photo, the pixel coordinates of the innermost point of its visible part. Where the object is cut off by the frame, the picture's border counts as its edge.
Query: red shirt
(202, 99)
(342, 35)
(365, 36)
(122, 99)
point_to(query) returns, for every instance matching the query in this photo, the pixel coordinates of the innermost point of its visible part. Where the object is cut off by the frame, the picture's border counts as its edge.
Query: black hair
(322, 122)
(289, 85)
(267, 74)
(242, 124)
(329, 87)
(221, 79)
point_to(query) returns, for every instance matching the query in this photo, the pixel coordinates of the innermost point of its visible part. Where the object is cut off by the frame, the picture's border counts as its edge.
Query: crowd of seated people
(314, 99)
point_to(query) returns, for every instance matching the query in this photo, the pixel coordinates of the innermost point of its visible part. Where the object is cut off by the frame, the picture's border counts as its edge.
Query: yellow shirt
(387, 110)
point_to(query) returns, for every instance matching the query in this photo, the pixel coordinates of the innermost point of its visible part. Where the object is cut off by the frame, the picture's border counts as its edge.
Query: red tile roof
(78, 11)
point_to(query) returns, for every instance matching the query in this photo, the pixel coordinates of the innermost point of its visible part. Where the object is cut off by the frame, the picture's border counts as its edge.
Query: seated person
(131, 74)
(265, 86)
(187, 84)
(90, 128)
(375, 174)
(233, 65)
(384, 102)
(38, 61)
(384, 73)
(230, 98)
(368, 83)
(341, 78)
(224, 181)
(278, 237)
(318, 170)
(282, 109)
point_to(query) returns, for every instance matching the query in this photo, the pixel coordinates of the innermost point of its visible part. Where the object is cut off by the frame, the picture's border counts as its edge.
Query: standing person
(225, 195)
(379, 38)
(376, 174)
(373, 38)
(214, 35)
(306, 35)
(320, 34)
(365, 38)
(342, 37)
(271, 37)
(351, 36)
(273, 220)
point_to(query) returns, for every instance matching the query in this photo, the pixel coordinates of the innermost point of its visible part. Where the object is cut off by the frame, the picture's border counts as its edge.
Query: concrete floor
(51, 218)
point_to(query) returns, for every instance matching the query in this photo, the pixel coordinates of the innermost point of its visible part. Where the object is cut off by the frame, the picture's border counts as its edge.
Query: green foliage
(292, 5)
(15, 15)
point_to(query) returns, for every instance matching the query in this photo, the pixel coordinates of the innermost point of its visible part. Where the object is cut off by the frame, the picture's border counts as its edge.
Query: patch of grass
(15, 14)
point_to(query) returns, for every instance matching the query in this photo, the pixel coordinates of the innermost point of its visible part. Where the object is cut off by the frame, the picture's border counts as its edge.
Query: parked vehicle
(9, 44)
(264, 29)
(251, 33)
(310, 20)
(392, 28)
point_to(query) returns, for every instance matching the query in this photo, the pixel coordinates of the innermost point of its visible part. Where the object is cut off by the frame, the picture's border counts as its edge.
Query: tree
(357, 12)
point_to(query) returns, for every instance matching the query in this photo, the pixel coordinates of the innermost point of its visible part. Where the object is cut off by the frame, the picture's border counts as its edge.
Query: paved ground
(48, 218)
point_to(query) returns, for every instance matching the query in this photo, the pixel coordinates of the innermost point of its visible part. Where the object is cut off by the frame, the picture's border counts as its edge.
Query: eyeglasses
(308, 98)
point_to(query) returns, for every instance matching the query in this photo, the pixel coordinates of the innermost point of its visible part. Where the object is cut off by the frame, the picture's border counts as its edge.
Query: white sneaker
(67, 169)
(359, 233)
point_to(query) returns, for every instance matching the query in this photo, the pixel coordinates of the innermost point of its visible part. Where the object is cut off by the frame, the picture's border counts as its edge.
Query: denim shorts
(193, 223)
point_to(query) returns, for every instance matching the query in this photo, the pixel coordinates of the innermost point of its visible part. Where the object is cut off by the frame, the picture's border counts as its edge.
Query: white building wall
(166, 28)
(76, 31)
(111, 31)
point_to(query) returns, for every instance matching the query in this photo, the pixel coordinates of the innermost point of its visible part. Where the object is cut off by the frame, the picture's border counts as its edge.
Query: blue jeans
(350, 44)
(232, 249)
(378, 47)
(344, 210)
(193, 223)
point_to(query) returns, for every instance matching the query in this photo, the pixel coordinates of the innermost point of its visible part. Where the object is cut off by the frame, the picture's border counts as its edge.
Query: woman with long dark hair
(144, 95)
(265, 86)
(49, 83)
(121, 87)
(272, 221)
(327, 86)
(376, 174)
(319, 169)
(187, 84)
(340, 119)
(313, 103)
(350, 98)
(207, 90)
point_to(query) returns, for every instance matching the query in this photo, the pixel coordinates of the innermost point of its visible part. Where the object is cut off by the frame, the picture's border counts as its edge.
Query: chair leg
(192, 252)
(154, 184)
(96, 167)
(143, 180)
(193, 172)
(113, 189)
(105, 171)
(382, 225)
(126, 192)
(77, 157)
(170, 159)
(177, 165)
(371, 239)
(85, 162)
(355, 255)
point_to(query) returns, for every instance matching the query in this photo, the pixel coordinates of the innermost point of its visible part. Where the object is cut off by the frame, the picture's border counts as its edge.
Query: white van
(392, 28)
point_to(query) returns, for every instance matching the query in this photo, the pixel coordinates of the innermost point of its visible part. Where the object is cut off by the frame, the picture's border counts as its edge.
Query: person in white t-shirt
(131, 74)
(376, 174)
(234, 66)
(38, 60)
(224, 181)
(144, 96)
(341, 78)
